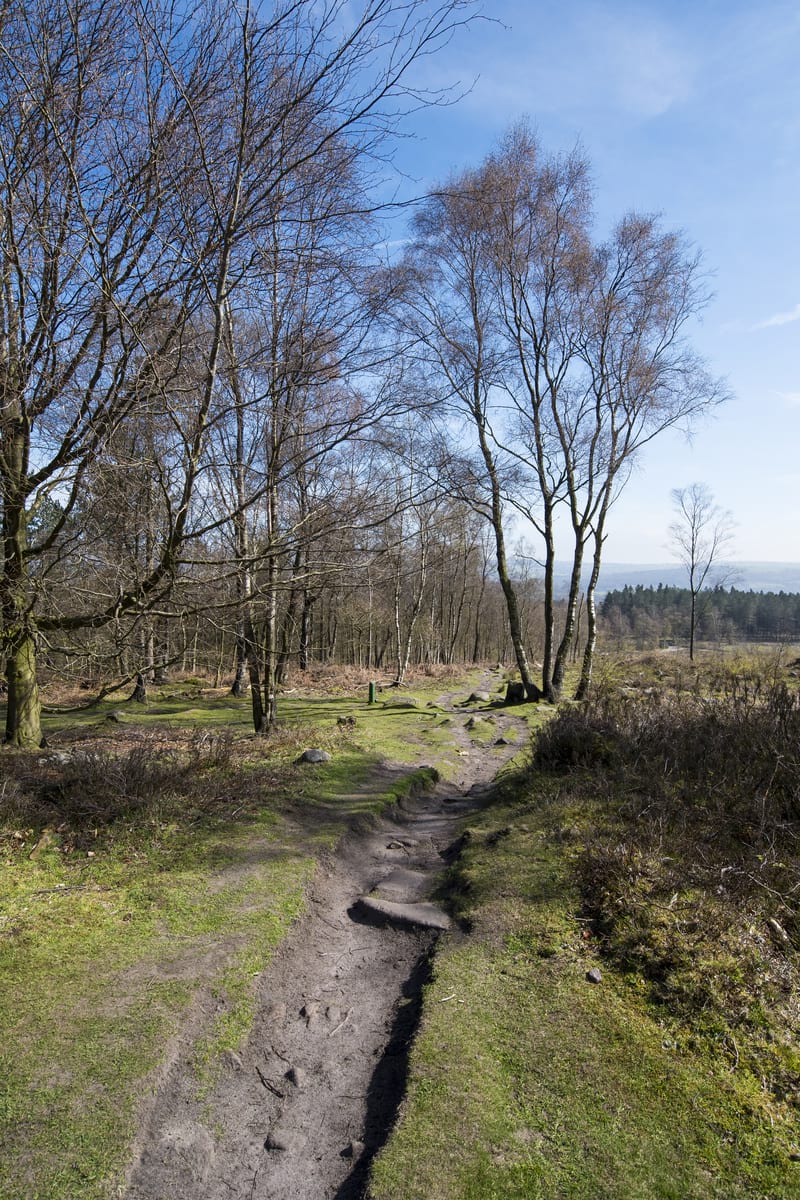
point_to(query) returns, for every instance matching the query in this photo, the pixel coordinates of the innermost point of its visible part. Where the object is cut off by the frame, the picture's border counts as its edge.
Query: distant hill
(748, 576)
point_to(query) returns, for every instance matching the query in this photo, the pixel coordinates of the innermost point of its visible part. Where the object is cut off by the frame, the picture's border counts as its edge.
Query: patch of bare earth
(301, 1111)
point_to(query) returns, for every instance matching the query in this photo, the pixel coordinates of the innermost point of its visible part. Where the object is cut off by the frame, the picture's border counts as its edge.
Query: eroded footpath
(300, 1112)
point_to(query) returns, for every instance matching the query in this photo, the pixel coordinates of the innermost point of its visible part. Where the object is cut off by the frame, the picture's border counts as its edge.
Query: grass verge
(676, 1074)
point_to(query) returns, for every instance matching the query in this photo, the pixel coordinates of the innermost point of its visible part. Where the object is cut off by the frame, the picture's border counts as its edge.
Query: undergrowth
(690, 867)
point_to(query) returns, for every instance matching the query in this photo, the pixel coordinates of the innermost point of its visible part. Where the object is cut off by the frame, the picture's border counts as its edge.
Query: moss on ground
(529, 1082)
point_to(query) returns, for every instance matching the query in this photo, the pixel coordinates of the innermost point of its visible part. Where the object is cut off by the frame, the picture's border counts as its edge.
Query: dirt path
(312, 1097)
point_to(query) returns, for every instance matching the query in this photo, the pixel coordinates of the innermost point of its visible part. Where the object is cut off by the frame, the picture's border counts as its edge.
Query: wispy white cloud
(790, 399)
(781, 318)
(648, 70)
(619, 59)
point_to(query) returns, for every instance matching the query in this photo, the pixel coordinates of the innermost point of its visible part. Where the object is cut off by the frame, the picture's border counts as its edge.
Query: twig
(72, 887)
(342, 1023)
(736, 1053)
(269, 1086)
(336, 928)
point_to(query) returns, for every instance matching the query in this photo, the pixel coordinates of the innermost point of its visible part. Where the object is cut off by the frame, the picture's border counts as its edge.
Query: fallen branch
(269, 1086)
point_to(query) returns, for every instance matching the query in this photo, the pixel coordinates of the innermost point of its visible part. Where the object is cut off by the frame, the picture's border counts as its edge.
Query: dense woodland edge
(652, 615)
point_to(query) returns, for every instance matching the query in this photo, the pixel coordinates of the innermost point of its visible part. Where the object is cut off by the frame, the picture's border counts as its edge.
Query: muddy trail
(300, 1113)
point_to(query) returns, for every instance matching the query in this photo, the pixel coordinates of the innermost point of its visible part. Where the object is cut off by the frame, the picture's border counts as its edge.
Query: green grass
(101, 958)
(397, 729)
(155, 883)
(528, 1082)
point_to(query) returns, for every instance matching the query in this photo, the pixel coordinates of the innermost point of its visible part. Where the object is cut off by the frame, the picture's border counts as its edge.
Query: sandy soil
(298, 1115)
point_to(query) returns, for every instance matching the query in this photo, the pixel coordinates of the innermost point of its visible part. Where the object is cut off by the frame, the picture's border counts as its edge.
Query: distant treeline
(649, 615)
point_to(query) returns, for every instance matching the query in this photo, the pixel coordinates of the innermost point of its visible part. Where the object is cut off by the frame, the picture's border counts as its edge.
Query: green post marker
(372, 693)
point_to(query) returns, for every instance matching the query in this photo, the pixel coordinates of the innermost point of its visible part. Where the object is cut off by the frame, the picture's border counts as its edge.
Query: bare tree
(566, 357)
(640, 372)
(700, 534)
(452, 315)
(542, 247)
(142, 149)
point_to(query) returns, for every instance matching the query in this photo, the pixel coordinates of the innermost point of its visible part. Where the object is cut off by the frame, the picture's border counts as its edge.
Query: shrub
(690, 862)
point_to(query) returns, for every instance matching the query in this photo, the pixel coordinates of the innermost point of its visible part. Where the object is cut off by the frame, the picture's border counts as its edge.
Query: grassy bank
(149, 865)
(653, 840)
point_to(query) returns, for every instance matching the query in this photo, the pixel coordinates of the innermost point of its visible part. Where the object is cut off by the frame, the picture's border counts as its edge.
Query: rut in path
(300, 1113)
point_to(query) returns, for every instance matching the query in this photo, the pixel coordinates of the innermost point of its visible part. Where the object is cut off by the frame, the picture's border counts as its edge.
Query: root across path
(299, 1114)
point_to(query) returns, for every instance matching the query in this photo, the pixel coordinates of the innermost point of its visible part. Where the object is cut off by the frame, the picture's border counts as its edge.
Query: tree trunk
(512, 607)
(270, 681)
(23, 714)
(289, 623)
(549, 611)
(251, 653)
(24, 710)
(585, 681)
(239, 686)
(270, 653)
(562, 654)
(306, 629)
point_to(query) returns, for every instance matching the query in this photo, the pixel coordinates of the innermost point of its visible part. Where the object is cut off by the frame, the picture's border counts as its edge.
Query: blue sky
(691, 110)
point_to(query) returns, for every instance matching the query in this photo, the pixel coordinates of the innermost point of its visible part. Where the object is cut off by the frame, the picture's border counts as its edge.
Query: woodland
(649, 616)
(277, 427)
(235, 430)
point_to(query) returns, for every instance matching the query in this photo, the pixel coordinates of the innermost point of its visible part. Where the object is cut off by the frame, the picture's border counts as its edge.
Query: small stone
(232, 1061)
(501, 741)
(296, 1076)
(310, 1012)
(794, 1156)
(314, 755)
(115, 716)
(595, 975)
(281, 1139)
(353, 1149)
(779, 934)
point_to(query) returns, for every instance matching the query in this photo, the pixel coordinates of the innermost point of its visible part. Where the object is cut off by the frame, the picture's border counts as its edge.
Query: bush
(737, 752)
(94, 788)
(690, 864)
